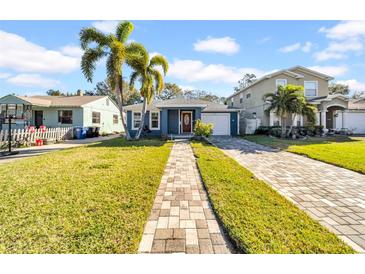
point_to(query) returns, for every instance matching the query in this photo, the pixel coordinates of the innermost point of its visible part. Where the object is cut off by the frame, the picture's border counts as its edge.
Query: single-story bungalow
(177, 116)
(61, 111)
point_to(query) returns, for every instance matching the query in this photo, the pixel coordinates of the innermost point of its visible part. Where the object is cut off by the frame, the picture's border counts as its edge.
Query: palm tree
(288, 102)
(117, 50)
(150, 78)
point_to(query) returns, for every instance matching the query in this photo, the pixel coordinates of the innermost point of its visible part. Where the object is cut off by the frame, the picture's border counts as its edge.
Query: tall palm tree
(117, 50)
(150, 78)
(288, 102)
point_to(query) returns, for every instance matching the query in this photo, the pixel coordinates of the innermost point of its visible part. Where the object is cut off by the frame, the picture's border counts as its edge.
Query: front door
(38, 118)
(186, 122)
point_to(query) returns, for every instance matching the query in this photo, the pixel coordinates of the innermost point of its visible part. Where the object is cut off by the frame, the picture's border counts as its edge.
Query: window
(115, 119)
(155, 120)
(96, 117)
(136, 120)
(310, 88)
(107, 101)
(232, 102)
(280, 82)
(65, 117)
(241, 98)
(248, 95)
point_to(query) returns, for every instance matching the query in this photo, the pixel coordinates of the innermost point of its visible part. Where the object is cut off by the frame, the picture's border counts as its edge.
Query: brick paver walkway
(334, 196)
(182, 219)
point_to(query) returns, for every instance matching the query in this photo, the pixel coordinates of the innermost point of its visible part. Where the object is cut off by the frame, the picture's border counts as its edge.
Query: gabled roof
(357, 104)
(59, 101)
(288, 72)
(206, 106)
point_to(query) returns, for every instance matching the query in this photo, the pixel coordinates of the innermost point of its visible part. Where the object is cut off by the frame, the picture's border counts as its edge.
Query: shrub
(203, 129)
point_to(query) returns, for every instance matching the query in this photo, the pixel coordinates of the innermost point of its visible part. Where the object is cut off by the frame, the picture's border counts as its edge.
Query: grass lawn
(258, 218)
(91, 199)
(343, 151)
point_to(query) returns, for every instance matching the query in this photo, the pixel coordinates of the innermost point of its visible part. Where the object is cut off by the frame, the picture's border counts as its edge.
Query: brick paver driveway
(332, 195)
(182, 219)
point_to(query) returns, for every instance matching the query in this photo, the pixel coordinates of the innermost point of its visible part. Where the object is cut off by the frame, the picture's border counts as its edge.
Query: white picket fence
(50, 134)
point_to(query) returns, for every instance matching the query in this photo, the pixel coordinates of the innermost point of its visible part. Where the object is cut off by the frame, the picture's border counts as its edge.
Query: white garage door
(220, 121)
(352, 120)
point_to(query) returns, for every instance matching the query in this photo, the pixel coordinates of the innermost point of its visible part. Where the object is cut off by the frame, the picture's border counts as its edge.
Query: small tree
(288, 102)
(203, 129)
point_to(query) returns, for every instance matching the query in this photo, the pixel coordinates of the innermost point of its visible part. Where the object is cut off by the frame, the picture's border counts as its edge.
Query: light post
(11, 111)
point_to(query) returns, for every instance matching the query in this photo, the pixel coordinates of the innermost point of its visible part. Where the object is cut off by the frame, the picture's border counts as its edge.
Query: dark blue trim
(234, 123)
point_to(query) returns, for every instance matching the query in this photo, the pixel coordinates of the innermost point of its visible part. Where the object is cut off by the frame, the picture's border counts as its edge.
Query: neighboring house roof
(288, 72)
(184, 103)
(59, 101)
(357, 104)
(318, 100)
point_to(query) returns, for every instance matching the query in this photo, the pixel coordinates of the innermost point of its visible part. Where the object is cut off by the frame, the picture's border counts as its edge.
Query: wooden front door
(38, 118)
(186, 122)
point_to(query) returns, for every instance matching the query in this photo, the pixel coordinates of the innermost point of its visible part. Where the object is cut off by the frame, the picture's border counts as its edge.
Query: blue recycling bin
(80, 132)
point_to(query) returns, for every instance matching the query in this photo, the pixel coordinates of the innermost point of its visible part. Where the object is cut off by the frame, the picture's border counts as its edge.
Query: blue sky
(208, 55)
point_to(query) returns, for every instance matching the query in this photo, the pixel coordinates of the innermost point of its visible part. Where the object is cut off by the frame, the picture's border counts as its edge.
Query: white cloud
(264, 40)
(353, 84)
(195, 70)
(154, 53)
(331, 70)
(106, 26)
(4, 75)
(73, 51)
(225, 45)
(21, 55)
(32, 80)
(345, 30)
(306, 47)
(337, 50)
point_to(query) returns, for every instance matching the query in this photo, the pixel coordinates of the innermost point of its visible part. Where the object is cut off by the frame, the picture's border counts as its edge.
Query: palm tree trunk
(144, 110)
(291, 126)
(283, 127)
(119, 94)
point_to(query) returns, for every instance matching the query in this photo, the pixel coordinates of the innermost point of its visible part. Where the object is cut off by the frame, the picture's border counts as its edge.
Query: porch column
(343, 118)
(323, 119)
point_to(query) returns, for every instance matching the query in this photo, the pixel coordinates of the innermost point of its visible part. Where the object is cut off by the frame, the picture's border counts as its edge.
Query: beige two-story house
(315, 84)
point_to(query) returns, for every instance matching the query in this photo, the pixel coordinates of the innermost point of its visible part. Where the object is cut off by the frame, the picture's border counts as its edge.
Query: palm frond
(124, 29)
(89, 60)
(158, 80)
(89, 35)
(159, 60)
(132, 79)
(136, 50)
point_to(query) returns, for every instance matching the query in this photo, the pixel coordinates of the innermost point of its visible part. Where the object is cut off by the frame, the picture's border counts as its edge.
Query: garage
(220, 121)
(354, 121)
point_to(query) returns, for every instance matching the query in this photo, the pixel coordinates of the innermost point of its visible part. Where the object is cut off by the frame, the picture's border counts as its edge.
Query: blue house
(177, 117)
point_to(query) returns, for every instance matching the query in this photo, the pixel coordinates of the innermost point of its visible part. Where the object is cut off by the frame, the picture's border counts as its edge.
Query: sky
(36, 56)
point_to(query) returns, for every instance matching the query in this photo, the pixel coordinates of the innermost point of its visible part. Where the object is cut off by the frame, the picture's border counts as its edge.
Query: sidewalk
(35, 151)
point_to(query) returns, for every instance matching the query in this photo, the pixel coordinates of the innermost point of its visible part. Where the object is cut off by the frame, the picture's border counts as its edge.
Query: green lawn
(92, 199)
(343, 151)
(258, 218)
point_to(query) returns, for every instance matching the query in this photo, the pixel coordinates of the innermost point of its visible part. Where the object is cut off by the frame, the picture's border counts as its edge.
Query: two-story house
(329, 107)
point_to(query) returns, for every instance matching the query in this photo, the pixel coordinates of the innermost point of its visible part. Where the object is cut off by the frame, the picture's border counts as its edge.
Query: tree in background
(247, 80)
(97, 45)
(336, 88)
(203, 95)
(288, 102)
(53, 92)
(170, 91)
(130, 96)
(358, 95)
(150, 78)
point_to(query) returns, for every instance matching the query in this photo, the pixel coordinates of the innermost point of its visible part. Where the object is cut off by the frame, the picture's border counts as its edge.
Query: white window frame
(232, 102)
(313, 81)
(277, 85)
(158, 127)
(135, 128)
(248, 95)
(241, 98)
